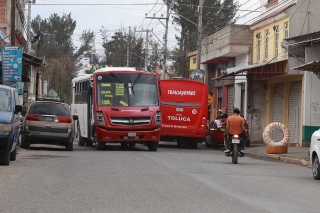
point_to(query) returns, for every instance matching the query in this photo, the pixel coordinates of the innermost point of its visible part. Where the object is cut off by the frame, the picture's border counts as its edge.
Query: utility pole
(128, 47)
(199, 47)
(146, 48)
(13, 23)
(29, 26)
(163, 74)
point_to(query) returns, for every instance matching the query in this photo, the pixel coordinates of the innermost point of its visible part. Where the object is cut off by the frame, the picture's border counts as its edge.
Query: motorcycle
(235, 149)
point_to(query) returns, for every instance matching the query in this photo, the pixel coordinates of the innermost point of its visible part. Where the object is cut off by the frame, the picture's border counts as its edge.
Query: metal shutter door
(294, 112)
(230, 100)
(220, 92)
(277, 113)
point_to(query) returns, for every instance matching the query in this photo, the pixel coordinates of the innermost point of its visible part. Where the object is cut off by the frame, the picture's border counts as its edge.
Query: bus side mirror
(18, 108)
(75, 117)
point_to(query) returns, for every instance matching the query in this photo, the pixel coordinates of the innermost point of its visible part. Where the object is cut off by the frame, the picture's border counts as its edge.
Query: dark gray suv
(48, 122)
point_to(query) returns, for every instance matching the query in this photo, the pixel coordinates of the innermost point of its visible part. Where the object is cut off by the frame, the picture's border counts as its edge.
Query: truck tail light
(158, 118)
(203, 122)
(100, 118)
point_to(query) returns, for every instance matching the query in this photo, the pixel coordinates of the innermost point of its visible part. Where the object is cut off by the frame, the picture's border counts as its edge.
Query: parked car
(9, 124)
(215, 133)
(48, 122)
(315, 154)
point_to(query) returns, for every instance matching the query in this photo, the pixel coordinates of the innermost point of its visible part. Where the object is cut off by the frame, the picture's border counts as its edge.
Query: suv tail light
(64, 119)
(32, 117)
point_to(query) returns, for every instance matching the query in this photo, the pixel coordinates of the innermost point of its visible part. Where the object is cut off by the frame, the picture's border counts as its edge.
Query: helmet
(236, 110)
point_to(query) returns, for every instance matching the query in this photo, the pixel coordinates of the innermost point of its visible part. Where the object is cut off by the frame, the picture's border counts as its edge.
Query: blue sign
(12, 67)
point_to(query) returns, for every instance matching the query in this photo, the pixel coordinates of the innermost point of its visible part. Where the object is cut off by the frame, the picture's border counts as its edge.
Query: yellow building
(193, 60)
(276, 92)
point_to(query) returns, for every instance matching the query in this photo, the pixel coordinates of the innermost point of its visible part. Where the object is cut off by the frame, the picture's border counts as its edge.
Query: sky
(124, 14)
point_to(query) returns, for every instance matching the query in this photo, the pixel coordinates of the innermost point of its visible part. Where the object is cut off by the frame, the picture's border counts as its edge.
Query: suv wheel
(69, 146)
(316, 168)
(5, 159)
(13, 155)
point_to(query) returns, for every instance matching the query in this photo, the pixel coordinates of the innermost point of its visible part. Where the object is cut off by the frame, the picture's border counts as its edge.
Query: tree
(216, 15)
(56, 46)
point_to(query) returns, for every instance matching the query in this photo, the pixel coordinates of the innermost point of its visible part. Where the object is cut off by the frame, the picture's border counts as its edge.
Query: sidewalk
(298, 155)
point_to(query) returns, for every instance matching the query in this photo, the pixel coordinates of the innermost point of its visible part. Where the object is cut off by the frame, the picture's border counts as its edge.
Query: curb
(288, 159)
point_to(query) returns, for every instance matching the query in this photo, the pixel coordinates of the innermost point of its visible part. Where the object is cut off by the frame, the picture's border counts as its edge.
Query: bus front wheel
(153, 146)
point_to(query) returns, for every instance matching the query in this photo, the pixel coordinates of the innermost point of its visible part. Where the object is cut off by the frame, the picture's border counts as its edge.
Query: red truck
(184, 109)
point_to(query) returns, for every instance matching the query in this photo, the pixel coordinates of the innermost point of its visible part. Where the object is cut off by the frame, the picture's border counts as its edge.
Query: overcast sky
(113, 17)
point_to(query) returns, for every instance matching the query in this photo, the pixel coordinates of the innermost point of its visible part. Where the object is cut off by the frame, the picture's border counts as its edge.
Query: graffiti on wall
(315, 113)
(256, 118)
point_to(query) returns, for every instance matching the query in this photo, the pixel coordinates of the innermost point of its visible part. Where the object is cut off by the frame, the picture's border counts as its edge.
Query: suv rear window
(50, 109)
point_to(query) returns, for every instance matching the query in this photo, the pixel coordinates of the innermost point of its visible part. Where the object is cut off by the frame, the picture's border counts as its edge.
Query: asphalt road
(48, 179)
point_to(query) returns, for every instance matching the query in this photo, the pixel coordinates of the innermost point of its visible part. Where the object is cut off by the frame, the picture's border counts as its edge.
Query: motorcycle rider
(235, 126)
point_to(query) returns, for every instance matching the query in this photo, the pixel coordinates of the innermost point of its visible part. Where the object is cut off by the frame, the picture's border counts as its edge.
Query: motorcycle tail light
(236, 136)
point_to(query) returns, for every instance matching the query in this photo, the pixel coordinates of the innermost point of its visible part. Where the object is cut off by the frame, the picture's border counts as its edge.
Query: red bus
(184, 108)
(117, 105)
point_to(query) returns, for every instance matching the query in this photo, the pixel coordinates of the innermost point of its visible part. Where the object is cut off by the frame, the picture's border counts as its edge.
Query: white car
(315, 154)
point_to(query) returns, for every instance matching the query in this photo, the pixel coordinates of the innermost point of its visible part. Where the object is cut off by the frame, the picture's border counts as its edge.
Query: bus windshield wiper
(115, 77)
(135, 81)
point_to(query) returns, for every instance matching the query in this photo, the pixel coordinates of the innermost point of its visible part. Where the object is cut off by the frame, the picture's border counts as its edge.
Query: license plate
(132, 134)
(235, 141)
(48, 119)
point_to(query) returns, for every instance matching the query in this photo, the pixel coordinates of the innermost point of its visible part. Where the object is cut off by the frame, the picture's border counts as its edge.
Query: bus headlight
(100, 118)
(158, 118)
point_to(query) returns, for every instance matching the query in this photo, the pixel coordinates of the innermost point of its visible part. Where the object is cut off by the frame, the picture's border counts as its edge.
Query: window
(286, 35)
(5, 100)
(266, 45)
(194, 60)
(276, 41)
(259, 47)
(270, 1)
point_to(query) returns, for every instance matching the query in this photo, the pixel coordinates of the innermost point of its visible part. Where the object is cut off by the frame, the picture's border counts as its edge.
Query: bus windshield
(123, 89)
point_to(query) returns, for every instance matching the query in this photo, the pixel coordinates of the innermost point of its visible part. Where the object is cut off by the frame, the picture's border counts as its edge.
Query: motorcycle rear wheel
(235, 153)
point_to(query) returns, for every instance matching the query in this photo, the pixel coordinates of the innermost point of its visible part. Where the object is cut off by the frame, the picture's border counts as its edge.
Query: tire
(100, 146)
(235, 153)
(153, 146)
(208, 141)
(124, 145)
(316, 168)
(89, 143)
(193, 144)
(24, 142)
(5, 159)
(81, 140)
(13, 154)
(132, 144)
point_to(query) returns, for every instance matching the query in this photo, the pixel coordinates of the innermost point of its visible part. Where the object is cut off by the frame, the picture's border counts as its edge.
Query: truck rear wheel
(193, 144)
(153, 146)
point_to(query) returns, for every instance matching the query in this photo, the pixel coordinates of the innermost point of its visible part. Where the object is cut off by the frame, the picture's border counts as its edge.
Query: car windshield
(5, 100)
(57, 109)
(127, 90)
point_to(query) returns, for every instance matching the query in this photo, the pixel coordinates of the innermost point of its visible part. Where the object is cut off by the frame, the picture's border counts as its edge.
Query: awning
(311, 66)
(247, 68)
(28, 59)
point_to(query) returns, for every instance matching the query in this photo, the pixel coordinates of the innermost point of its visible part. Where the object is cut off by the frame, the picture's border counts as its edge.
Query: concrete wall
(256, 111)
(230, 41)
(299, 23)
(311, 104)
